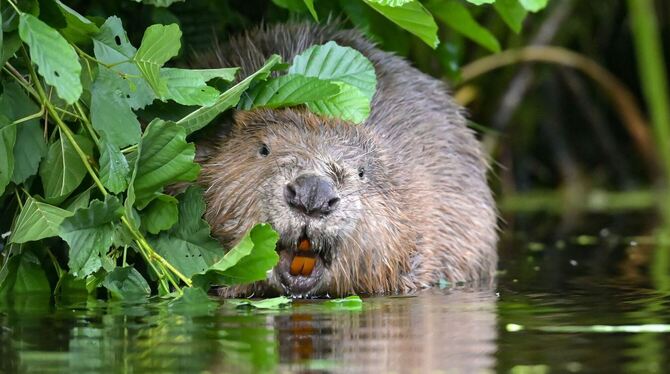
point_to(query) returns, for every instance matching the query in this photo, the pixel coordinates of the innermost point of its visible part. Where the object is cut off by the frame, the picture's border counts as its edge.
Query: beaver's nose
(312, 195)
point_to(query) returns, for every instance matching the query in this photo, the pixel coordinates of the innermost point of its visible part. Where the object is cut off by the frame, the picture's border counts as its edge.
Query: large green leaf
(114, 169)
(78, 29)
(89, 234)
(188, 244)
(288, 90)
(411, 16)
(161, 214)
(11, 43)
(512, 12)
(189, 87)
(159, 44)
(202, 116)
(56, 60)
(457, 16)
(30, 146)
(126, 283)
(7, 141)
(247, 262)
(111, 114)
(22, 274)
(62, 170)
(333, 62)
(112, 47)
(349, 104)
(164, 157)
(37, 221)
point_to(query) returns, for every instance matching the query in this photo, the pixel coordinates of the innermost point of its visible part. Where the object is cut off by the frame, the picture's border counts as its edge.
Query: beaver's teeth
(308, 266)
(297, 265)
(304, 245)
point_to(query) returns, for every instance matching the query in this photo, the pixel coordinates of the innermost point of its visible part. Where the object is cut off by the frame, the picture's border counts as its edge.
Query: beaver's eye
(361, 172)
(264, 151)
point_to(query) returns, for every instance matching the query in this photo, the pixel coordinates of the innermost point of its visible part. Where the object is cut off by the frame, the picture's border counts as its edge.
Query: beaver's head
(324, 187)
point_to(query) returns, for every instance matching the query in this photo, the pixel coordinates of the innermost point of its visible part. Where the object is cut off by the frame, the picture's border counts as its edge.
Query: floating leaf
(411, 16)
(62, 170)
(37, 221)
(56, 60)
(159, 44)
(336, 63)
(273, 303)
(89, 234)
(246, 262)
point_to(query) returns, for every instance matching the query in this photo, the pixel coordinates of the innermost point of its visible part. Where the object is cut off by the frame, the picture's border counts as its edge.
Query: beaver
(388, 206)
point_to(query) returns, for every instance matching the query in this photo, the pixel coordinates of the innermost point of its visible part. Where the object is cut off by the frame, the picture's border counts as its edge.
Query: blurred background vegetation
(580, 125)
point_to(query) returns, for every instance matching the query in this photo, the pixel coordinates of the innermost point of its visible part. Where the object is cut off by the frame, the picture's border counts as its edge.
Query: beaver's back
(436, 161)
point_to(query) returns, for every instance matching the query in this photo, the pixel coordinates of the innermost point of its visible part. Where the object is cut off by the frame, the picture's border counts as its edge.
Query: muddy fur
(422, 211)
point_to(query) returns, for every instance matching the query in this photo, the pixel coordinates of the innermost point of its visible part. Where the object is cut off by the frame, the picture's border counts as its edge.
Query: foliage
(96, 177)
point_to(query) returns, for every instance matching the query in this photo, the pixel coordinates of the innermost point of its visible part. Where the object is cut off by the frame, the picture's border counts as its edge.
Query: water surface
(557, 285)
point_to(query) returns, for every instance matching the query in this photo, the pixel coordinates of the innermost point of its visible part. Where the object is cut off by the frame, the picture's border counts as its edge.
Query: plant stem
(87, 123)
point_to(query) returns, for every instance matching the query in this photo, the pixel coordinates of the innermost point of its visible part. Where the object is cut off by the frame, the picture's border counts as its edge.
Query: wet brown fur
(424, 211)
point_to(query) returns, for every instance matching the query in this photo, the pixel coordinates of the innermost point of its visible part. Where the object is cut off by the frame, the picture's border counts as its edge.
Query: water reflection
(437, 330)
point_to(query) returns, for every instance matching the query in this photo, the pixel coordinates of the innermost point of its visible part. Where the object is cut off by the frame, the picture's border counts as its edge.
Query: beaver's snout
(312, 195)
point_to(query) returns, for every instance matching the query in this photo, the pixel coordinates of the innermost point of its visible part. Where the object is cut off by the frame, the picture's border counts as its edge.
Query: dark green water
(555, 288)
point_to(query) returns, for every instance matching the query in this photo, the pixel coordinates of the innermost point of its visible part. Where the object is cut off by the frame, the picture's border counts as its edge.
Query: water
(556, 286)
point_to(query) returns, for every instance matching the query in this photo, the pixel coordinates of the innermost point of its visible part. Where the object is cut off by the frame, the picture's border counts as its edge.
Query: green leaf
(23, 273)
(161, 214)
(288, 90)
(56, 60)
(37, 221)
(111, 114)
(202, 116)
(247, 262)
(310, 5)
(160, 3)
(534, 5)
(413, 17)
(159, 44)
(512, 13)
(112, 47)
(114, 169)
(333, 62)
(164, 158)
(456, 16)
(62, 170)
(350, 104)
(78, 29)
(193, 300)
(10, 44)
(80, 201)
(30, 146)
(126, 283)
(273, 303)
(395, 3)
(353, 303)
(481, 2)
(189, 87)
(188, 245)
(7, 141)
(89, 233)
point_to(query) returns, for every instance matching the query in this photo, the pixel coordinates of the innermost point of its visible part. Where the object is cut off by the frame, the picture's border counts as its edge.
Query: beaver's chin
(301, 270)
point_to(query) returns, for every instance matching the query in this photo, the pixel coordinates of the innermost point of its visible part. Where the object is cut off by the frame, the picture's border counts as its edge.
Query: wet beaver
(392, 205)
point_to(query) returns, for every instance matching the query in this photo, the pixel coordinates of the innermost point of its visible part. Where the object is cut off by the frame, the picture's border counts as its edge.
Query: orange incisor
(303, 264)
